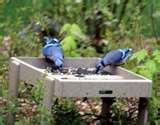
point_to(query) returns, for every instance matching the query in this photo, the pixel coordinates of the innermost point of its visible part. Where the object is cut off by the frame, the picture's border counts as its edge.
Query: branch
(109, 5)
(153, 25)
(122, 12)
(114, 8)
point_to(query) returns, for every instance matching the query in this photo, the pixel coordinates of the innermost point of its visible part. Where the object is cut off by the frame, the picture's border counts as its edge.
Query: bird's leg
(97, 70)
(60, 69)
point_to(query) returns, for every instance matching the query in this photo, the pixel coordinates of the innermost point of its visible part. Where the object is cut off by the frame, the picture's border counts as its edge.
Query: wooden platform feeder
(122, 83)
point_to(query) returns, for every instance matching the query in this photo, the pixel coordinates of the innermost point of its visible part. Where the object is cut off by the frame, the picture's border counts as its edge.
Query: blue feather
(53, 51)
(114, 57)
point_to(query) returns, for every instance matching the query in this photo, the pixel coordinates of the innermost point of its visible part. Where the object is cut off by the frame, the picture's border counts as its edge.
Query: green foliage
(69, 44)
(89, 51)
(71, 29)
(20, 123)
(34, 94)
(85, 26)
(73, 44)
(3, 78)
(1, 121)
(9, 107)
(154, 104)
(148, 65)
(117, 109)
(140, 55)
(64, 112)
(37, 91)
(43, 115)
(28, 46)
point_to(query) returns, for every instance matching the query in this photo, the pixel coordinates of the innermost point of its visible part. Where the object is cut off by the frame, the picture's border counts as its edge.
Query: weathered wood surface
(122, 83)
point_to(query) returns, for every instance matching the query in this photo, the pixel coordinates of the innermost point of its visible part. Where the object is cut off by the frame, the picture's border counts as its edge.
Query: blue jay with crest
(114, 57)
(52, 50)
(51, 46)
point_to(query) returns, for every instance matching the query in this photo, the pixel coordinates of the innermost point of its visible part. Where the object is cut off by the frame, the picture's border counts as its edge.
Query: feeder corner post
(106, 107)
(142, 111)
(48, 95)
(14, 69)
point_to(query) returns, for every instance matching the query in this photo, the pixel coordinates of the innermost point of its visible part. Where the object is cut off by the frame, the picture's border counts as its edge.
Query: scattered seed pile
(78, 72)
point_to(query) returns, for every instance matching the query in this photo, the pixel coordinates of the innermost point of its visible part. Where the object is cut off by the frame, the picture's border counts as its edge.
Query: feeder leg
(13, 87)
(106, 107)
(143, 112)
(47, 98)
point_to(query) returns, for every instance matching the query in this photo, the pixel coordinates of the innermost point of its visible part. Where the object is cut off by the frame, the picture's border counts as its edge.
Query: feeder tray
(78, 78)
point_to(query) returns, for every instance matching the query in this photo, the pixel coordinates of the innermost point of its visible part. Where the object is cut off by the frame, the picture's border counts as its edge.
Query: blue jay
(114, 57)
(52, 51)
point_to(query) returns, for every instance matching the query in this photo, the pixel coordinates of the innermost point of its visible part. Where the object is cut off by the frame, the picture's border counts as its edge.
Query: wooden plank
(49, 85)
(31, 74)
(48, 95)
(14, 69)
(93, 89)
(126, 84)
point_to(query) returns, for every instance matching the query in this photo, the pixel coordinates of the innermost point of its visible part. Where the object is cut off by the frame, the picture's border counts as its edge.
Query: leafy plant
(86, 22)
(64, 112)
(75, 42)
(148, 65)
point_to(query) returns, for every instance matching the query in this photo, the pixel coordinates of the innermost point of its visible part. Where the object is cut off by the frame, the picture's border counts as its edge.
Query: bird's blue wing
(54, 53)
(58, 56)
(112, 57)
